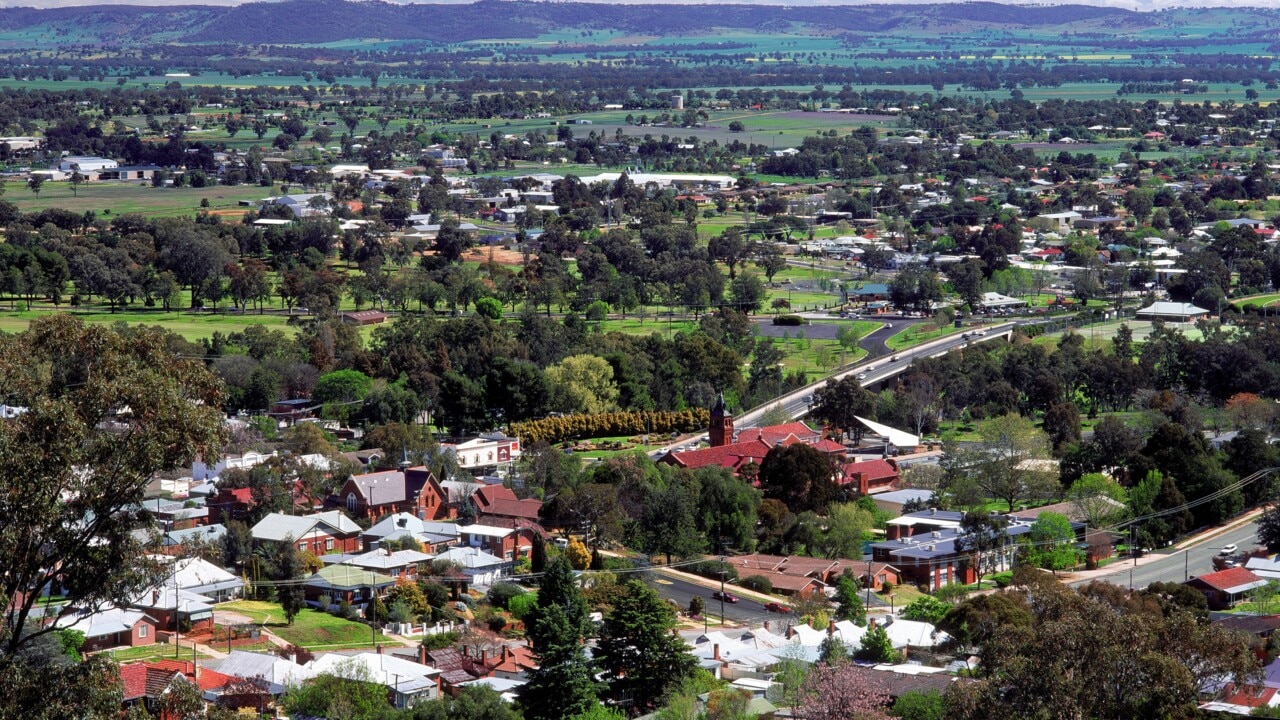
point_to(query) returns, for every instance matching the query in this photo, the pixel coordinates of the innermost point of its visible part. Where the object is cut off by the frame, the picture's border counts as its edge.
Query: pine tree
(641, 658)
(563, 684)
(849, 605)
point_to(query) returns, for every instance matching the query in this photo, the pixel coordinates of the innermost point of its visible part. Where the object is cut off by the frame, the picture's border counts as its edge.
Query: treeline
(558, 429)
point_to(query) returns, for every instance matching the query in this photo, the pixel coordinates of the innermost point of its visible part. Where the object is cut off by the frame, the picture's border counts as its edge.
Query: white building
(86, 164)
(201, 471)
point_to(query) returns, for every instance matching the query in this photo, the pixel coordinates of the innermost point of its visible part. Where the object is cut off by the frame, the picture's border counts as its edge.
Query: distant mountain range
(1138, 5)
(321, 21)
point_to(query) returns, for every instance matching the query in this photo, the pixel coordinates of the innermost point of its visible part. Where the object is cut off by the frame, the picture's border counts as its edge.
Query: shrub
(758, 583)
(886, 588)
(501, 593)
(598, 310)
(711, 569)
(697, 605)
(791, 320)
(489, 307)
(440, 641)
(521, 606)
(926, 609)
(496, 623)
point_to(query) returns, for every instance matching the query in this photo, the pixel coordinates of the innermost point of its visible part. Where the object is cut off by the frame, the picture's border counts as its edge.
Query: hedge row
(611, 424)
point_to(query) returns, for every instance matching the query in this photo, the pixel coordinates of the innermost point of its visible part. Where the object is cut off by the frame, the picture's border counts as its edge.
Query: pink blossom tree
(843, 692)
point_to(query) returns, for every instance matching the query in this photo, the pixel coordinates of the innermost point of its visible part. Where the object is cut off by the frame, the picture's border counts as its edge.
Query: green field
(919, 333)
(310, 629)
(109, 198)
(190, 326)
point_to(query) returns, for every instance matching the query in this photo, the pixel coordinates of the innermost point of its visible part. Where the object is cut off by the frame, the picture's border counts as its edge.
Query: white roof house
(409, 681)
(86, 164)
(280, 527)
(1172, 312)
(203, 577)
(105, 622)
(279, 673)
(912, 632)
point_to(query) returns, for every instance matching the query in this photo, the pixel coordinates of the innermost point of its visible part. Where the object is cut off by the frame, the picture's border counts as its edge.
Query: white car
(862, 376)
(1228, 550)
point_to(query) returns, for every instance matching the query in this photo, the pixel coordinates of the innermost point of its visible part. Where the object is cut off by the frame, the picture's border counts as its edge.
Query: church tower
(721, 431)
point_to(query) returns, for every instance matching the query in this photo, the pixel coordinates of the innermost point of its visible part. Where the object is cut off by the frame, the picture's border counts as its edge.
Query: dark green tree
(800, 476)
(641, 658)
(848, 601)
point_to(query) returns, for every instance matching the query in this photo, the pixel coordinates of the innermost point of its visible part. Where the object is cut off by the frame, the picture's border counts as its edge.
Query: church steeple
(721, 430)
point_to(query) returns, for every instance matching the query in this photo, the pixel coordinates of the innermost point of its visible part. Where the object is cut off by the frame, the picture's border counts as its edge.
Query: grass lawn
(107, 199)
(917, 334)
(191, 327)
(658, 440)
(310, 629)
(154, 652)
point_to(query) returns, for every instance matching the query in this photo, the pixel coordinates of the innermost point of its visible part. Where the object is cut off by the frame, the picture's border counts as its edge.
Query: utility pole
(868, 603)
(722, 592)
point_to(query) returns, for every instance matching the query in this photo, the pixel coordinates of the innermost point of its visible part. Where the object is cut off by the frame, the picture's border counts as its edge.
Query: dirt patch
(500, 256)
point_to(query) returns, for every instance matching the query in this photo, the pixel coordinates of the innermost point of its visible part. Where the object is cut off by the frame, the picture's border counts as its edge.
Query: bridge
(869, 372)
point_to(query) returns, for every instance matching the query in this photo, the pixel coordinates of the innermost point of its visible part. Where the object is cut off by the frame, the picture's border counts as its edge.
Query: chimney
(831, 628)
(871, 623)
(506, 654)
(466, 651)
(484, 655)
(293, 658)
(155, 596)
(379, 648)
(715, 651)
(422, 654)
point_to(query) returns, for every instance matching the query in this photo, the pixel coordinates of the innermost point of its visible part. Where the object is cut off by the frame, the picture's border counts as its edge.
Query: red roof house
(1225, 588)
(732, 456)
(870, 476)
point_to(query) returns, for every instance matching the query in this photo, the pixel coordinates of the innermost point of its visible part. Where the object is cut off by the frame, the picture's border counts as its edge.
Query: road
(1194, 560)
(796, 403)
(744, 612)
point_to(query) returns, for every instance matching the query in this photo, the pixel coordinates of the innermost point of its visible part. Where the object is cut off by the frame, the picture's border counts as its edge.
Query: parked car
(1228, 550)
(893, 359)
(717, 595)
(777, 607)
(562, 543)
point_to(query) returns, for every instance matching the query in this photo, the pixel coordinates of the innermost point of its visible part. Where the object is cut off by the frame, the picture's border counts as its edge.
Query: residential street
(1175, 566)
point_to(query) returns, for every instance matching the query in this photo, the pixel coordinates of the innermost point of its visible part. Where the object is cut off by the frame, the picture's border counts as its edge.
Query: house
(230, 504)
(784, 434)
(793, 574)
(485, 453)
(1224, 588)
(479, 566)
(498, 502)
(202, 471)
(364, 317)
(433, 536)
(1058, 222)
(319, 533)
(202, 577)
(922, 522)
(1243, 699)
(175, 540)
(877, 574)
(146, 684)
(356, 586)
(995, 301)
(277, 673)
(374, 495)
(398, 563)
(407, 682)
(1172, 312)
(85, 164)
(302, 205)
(870, 476)
(508, 543)
(732, 456)
(174, 609)
(939, 558)
(111, 627)
(894, 501)
(367, 458)
(143, 173)
(291, 411)
(869, 292)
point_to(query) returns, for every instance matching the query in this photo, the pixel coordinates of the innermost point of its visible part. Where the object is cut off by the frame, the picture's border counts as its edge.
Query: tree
(849, 601)
(841, 402)
(1052, 542)
(1099, 653)
(915, 287)
(982, 540)
(348, 692)
(106, 409)
(800, 476)
(1062, 425)
(668, 525)
(577, 554)
(1012, 461)
(582, 383)
(1098, 500)
(35, 183)
(1269, 528)
(847, 525)
(876, 646)
(727, 509)
(563, 684)
(842, 692)
(746, 292)
(926, 609)
(76, 180)
(641, 659)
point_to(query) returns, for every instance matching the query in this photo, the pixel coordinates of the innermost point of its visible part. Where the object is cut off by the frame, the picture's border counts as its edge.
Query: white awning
(897, 438)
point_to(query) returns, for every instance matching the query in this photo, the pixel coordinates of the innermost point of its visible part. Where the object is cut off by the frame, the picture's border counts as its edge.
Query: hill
(321, 21)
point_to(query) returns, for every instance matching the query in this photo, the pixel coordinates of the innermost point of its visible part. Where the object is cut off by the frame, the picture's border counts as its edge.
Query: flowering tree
(842, 692)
